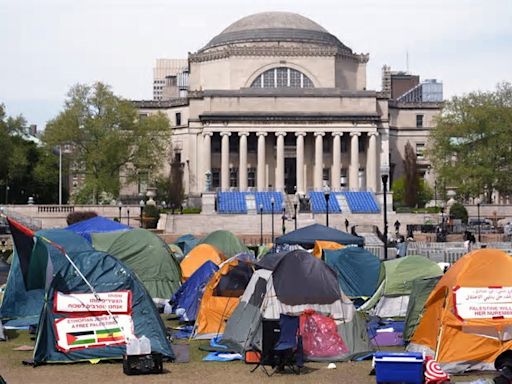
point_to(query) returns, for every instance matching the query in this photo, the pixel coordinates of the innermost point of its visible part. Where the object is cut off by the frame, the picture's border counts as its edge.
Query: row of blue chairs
(317, 202)
(361, 202)
(234, 202)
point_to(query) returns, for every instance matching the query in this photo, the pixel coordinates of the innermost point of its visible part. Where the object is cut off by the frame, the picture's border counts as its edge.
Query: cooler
(406, 367)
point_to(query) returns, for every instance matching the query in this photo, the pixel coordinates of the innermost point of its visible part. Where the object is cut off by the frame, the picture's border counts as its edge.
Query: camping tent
(225, 242)
(21, 306)
(467, 319)
(96, 224)
(186, 300)
(221, 296)
(321, 246)
(197, 257)
(392, 297)
(178, 253)
(299, 283)
(147, 255)
(307, 236)
(359, 271)
(186, 243)
(77, 325)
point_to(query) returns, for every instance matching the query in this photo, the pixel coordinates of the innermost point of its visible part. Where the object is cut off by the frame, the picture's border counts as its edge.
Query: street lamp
(141, 205)
(128, 217)
(295, 213)
(327, 194)
(478, 214)
(384, 177)
(283, 218)
(261, 224)
(272, 203)
(119, 206)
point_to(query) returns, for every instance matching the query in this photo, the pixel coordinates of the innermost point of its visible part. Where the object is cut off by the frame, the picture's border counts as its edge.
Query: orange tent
(320, 245)
(467, 320)
(198, 256)
(221, 296)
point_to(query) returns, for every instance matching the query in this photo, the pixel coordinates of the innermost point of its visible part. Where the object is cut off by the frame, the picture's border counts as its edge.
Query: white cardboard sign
(113, 302)
(483, 302)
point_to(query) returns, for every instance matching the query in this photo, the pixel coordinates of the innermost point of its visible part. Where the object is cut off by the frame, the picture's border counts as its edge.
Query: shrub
(151, 210)
(458, 211)
(75, 217)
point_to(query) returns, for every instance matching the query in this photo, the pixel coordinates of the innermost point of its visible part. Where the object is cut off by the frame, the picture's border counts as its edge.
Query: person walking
(346, 225)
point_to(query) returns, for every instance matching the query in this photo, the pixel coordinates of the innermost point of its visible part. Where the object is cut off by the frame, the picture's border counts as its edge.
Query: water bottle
(133, 346)
(145, 345)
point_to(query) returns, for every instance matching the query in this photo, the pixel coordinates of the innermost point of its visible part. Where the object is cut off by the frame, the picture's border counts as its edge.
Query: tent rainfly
(307, 236)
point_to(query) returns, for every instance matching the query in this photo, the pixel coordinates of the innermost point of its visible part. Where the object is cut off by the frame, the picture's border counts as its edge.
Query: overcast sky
(46, 46)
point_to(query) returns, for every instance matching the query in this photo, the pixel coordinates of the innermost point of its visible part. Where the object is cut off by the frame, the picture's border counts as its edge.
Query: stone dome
(276, 27)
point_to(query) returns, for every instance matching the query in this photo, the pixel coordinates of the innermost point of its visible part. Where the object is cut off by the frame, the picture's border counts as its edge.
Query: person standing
(346, 225)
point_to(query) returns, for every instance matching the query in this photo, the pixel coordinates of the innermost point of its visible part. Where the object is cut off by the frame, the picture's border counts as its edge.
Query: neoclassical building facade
(276, 102)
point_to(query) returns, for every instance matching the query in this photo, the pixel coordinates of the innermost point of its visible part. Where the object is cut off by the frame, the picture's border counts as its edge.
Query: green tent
(145, 254)
(392, 297)
(226, 242)
(420, 292)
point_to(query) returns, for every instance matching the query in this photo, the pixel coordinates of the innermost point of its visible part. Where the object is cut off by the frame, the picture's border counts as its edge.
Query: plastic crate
(142, 364)
(399, 367)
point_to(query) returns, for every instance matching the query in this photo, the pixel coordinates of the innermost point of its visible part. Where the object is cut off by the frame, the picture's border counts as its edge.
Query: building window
(178, 118)
(234, 143)
(419, 121)
(251, 177)
(420, 151)
(252, 143)
(282, 77)
(233, 177)
(216, 143)
(215, 178)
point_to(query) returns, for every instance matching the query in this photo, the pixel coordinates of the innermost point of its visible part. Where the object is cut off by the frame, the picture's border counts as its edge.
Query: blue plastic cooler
(406, 367)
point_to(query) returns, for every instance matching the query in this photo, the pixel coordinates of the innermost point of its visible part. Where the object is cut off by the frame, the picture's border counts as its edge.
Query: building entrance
(290, 175)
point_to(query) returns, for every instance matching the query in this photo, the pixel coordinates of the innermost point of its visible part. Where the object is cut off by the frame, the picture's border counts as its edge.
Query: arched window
(282, 77)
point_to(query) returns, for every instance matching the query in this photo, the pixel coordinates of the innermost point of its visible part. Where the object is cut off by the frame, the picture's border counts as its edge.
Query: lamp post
(327, 194)
(384, 189)
(272, 203)
(283, 218)
(295, 213)
(119, 206)
(478, 214)
(261, 224)
(60, 175)
(141, 205)
(128, 217)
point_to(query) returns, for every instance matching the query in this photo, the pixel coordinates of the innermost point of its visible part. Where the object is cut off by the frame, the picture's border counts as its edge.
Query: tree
(425, 193)
(471, 145)
(108, 138)
(411, 177)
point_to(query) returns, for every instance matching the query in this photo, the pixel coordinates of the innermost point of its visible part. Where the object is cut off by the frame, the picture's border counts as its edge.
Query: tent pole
(441, 328)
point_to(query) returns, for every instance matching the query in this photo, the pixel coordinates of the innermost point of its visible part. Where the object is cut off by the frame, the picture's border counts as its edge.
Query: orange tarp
(197, 257)
(457, 336)
(215, 311)
(320, 245)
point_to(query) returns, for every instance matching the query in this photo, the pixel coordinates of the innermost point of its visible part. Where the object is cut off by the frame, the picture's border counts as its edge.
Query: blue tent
(186, 243)
(21, 307)
(359, 271)
(188, 297)
(96, 224)
(307, 236)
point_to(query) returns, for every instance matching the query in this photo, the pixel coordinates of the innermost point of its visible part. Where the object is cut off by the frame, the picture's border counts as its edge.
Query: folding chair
(288, 351)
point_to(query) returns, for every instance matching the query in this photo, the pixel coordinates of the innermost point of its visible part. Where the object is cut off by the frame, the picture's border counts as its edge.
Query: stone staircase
(288, 202)
(342, 202)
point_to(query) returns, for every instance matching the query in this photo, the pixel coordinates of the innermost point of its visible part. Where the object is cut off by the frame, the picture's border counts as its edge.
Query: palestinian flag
(80, 338)
(106, 335)
(23, 239)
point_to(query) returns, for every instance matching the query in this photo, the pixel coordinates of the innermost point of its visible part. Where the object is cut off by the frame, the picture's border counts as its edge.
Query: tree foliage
(471, 146)
(108, 138)
(26, 168)
(424, 195)
(458, 211)
(411, 177)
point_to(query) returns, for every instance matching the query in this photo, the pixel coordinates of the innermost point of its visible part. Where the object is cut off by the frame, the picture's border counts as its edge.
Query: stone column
(242, 169)
(319, 154)
(300, 162)
(353, 180)
(336, 161)
(371, 162)
(280, 161)
(207, 152)
(261, 161)
(224, 166)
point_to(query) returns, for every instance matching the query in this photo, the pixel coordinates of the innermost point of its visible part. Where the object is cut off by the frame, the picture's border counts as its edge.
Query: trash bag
(320, 336)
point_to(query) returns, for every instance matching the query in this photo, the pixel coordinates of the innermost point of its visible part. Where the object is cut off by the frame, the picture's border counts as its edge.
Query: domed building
(276, 102)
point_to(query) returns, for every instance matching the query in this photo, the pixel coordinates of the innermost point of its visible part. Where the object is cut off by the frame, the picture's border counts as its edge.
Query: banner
(483, 302)
(115, 302)
(93, 331)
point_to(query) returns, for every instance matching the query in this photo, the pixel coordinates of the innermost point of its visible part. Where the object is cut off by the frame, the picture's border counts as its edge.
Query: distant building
(276, 102)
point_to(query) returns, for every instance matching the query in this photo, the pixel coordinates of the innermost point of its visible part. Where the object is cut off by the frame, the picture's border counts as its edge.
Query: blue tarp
(358, 270)
(307, 236)
(185, 302)
(186, 243)
(95, 225)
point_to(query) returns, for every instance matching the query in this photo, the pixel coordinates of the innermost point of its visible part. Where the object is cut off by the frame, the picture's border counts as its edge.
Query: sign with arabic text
(483, 302)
